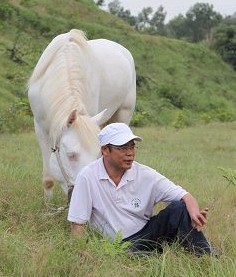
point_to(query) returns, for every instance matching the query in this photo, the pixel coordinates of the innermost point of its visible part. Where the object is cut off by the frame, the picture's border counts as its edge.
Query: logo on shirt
(136, 203)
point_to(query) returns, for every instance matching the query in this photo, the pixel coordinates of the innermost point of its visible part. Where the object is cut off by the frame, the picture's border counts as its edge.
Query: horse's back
(115, 75)
(111, 48)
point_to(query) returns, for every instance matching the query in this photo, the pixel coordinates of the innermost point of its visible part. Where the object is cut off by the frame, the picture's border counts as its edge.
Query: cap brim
(121, 140)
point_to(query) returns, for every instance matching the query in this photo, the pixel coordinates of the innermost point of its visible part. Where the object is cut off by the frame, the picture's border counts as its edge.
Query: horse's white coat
(73, 81)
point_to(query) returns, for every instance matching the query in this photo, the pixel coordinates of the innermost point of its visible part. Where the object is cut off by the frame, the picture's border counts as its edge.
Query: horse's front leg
(43, 140)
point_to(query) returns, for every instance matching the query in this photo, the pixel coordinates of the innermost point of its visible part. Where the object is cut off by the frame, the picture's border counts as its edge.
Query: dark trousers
(169, 225)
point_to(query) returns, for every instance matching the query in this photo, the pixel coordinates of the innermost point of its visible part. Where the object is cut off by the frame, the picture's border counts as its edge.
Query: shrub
(174, 94)
(6, 11)
(184, 119)
(222, 115)
(21, 106)
(28, 3)
(140, 118)
(17, 118)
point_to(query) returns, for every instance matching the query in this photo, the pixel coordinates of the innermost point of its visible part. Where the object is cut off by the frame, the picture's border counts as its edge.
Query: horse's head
(78, 145)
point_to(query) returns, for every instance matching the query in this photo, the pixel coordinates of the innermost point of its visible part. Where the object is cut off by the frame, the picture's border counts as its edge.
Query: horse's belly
(115, 78)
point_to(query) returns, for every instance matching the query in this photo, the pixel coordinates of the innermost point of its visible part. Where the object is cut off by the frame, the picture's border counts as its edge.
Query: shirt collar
(129, 175)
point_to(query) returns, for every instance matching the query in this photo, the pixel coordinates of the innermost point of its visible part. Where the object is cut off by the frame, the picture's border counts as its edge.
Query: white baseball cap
(116, 134)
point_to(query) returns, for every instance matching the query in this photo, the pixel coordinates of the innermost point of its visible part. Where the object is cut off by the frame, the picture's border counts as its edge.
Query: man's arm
(198, 217)
(77, 229)
(80, 206)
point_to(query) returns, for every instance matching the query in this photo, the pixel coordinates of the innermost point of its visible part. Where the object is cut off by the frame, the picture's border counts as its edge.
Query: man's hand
(199, 218)
(202, 218)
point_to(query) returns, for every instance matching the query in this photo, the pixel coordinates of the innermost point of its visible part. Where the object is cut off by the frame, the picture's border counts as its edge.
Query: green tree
(100, 3)
(200, 19)
(126, 15)
(224, 40)
(114, 7)
(143, 19)
(177, 27)
(157, 22)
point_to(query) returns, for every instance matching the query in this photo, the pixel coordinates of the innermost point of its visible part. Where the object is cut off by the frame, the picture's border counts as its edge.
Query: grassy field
(35, 243)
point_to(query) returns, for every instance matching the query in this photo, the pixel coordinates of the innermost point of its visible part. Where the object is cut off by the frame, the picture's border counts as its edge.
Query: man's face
(119, 157)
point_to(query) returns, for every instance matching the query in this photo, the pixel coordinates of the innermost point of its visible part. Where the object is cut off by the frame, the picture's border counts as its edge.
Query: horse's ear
(101, 118)
(71, 119)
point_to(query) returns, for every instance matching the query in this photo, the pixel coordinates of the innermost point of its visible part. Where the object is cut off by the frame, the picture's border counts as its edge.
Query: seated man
(115, 193)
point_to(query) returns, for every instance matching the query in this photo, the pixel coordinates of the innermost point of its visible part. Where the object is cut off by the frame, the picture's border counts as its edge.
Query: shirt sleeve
(167, 191)
(80, 207)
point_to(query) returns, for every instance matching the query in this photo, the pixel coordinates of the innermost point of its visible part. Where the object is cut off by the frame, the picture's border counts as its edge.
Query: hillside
(177, 81)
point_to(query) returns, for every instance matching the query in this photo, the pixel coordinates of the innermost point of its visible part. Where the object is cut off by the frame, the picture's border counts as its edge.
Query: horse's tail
(50, 52)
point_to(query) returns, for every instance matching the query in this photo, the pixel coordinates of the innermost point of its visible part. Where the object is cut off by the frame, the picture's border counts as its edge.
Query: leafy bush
(28, 3)
(224, 41)
(140, 118)
(117, 247)
(221, 115)
(6, 11)
(174, 95)
(30, 18)
(21, 107)
(184, 119)
(17, 118)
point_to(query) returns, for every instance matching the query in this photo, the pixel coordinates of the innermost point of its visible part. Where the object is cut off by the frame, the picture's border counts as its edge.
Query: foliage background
(179, 83)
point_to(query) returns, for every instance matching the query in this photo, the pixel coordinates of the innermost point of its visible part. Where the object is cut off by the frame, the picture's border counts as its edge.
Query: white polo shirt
(126, 207)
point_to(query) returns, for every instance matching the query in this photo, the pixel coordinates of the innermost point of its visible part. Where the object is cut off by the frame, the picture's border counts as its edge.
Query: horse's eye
(73, 156)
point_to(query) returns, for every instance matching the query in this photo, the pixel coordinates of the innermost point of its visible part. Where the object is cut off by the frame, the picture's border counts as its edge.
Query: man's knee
(175, 208)
(178, 210)
(177, 205)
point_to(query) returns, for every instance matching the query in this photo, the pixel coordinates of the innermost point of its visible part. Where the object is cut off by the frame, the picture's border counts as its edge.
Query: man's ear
(104, 150)
(71, 119)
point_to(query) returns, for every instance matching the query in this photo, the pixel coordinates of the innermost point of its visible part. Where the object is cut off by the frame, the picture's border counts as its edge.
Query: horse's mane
(88, 131)
(59, 72)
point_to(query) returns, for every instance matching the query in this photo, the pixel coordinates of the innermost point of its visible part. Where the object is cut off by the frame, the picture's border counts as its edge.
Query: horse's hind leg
(46, 152)
(125, 111)
(121, 115)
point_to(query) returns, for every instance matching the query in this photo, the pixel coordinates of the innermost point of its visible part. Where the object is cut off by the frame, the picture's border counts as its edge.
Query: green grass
(34, 243)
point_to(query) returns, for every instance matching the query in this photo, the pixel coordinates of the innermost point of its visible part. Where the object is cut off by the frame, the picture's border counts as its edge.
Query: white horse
(78, 86)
